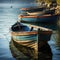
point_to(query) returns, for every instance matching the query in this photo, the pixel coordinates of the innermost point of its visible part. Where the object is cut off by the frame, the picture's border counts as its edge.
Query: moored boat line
(41, 14)
(31, 36)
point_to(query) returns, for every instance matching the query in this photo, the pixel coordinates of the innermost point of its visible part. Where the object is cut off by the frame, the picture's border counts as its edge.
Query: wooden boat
(42, 5)
(42, 18)
(31, 36)
(38, 10)
(33, 9)
(18, 50)
(44, 12)
(28, 30)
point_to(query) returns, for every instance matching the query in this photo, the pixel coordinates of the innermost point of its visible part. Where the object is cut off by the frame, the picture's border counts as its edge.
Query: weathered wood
(34, 16)
(23, 33)
(26, 53)
(41, 28)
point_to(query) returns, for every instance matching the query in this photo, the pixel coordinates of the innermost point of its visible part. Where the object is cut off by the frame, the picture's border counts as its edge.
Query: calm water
(8, 16)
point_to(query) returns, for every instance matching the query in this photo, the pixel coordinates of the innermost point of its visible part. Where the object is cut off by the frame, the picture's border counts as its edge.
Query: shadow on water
(58, 34)
(25, 53)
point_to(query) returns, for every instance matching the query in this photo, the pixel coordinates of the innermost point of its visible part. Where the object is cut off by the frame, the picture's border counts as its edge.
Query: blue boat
(30, 37)
(42, 18)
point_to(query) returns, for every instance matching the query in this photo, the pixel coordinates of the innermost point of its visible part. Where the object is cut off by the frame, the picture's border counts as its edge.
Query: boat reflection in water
(18, 52)
(31, 42)
(58, 34)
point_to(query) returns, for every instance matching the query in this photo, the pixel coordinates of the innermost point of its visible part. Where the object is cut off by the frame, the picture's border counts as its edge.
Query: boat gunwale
(24, 33)
(35, 16)
(26, 9)
(29, 33)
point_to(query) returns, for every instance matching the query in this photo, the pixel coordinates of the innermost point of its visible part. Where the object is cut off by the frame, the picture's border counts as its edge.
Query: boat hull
(26, 43)
(43, 18)
(30, 41)
(38, 34)
(18, 50)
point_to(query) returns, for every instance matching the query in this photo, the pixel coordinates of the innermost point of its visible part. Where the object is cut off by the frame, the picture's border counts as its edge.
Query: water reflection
(25, 53)
(58, 34)
(45, 52)
(8, 16)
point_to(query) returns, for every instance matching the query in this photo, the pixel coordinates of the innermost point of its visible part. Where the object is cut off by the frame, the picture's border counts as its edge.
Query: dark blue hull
(47, 18)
